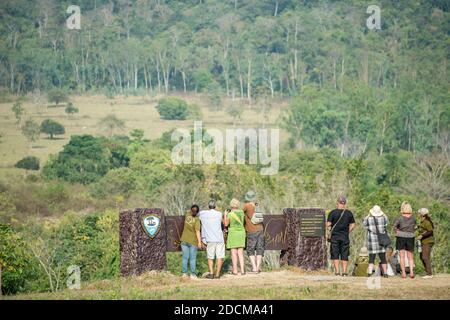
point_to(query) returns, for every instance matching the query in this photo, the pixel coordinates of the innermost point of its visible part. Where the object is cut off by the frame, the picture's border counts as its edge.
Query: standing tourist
(376, 223)
(234, 220)
(426, 237)
(190, 241)
(340, 223)
(212, 236)
(255, 232)
(404, 227)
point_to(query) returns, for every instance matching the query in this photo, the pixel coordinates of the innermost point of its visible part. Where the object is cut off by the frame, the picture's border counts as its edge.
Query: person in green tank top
(234, 220)
(425, 234)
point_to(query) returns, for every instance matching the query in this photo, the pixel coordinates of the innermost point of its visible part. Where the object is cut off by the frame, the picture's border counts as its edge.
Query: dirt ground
(282, 285)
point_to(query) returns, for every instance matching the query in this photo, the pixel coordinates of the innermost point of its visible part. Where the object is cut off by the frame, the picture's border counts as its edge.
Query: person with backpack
(426, 238)
(376, 225)
(234, 220)
(340, 223)
(255, 231)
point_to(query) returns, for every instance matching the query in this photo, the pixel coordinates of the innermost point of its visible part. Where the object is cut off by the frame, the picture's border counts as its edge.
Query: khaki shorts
(215, 250)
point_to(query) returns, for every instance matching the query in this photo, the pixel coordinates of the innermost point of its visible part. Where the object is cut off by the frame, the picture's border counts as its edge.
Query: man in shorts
(212, 236)
(340, 223)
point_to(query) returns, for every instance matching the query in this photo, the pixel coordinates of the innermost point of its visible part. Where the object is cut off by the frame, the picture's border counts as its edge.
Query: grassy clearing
(138, 112)
(284, 285)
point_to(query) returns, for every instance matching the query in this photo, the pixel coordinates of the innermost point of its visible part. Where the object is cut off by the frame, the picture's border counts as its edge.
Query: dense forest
(367, 113)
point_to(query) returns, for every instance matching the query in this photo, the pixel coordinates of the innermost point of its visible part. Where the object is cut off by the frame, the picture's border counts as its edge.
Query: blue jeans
(189, 253)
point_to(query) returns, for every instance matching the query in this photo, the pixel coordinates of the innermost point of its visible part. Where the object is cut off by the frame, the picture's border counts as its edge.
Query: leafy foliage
(83, 160)
(172, 108)
(52, 128)
(28, 163)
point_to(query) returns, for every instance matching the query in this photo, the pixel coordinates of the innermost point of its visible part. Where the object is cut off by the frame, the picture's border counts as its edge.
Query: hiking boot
(184, 275)
(427, 277)
(209, 276)
(193, 277)
(345, 274)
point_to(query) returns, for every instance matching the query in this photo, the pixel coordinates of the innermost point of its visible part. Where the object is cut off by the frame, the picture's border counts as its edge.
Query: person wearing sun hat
(255, 232)
(426, 237)
(376, 223)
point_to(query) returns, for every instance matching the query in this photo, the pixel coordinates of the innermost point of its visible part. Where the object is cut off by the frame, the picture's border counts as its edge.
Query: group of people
(243, 228)
(341, 222)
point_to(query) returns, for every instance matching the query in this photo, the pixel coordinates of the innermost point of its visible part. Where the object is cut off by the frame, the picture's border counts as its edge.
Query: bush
(57, 95)
(195, 112)
(28, 163)
(71, 109)
(14, 261)
(84, 159)
(172, 109)
(52, 128)
(119, 181)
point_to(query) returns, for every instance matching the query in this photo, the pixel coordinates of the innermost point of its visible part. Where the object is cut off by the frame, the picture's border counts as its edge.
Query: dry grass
(285, 285)
(138, 112)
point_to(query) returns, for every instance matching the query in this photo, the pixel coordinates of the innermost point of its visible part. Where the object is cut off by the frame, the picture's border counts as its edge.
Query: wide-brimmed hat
(250, 196)
(423, 211)
(363, 252)
(376, 211)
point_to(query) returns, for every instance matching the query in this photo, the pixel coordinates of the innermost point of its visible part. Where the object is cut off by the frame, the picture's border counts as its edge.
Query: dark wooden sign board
(147, 234)
(312, 224)
(274, 232)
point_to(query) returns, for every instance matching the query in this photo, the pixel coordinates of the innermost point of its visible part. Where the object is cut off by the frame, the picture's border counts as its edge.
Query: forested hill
(249, 49)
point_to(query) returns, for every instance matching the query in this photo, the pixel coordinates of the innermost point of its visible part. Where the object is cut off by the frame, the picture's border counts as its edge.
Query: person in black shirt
(340, 223)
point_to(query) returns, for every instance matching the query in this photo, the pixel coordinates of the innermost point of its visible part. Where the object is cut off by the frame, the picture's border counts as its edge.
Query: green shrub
(28, 163)
(14, 261)
(84, 159)
(172, 108)
(57, 96)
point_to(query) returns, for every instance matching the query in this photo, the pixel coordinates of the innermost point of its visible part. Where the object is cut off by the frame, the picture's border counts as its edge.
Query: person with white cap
(376, 224)
(426, 237)
(362, 263)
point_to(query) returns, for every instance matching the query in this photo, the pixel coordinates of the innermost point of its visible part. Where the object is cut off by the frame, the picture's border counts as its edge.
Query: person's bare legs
(211, 266)
(411, 263)
(402, 263)
(370, 269)
(240, 252)
(254, 263)
(234, 260)
(384, 267)
(258, 263)
(219, 266)
(344, 266)
(336, 266)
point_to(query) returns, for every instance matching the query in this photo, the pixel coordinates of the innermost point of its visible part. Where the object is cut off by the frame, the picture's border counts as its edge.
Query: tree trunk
(183, 74)
(249, 81)
(135, 78)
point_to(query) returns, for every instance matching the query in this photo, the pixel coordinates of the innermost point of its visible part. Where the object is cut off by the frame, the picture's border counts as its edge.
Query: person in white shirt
(212, 236)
